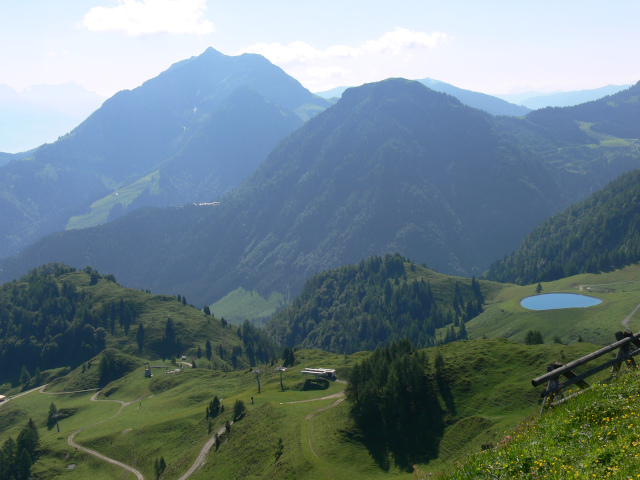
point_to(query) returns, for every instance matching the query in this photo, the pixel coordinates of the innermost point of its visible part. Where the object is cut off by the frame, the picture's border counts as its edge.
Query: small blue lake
(555, 301)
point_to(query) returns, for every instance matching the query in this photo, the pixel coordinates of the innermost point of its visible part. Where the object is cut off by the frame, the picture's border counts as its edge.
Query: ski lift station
(327, 373)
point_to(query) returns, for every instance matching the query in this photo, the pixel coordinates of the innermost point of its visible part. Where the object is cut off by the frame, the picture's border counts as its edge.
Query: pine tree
(24, 375)
(140, 337)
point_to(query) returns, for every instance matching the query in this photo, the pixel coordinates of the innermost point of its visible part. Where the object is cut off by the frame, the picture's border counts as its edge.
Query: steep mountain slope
(214, 159)
(597, 234)
(393, 166)
(135, 132)
(617, 115)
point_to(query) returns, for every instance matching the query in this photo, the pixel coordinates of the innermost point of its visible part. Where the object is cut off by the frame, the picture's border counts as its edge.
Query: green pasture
(484, 388)
(619, 291)
(603, 139)
(99, 210)
(240, 305)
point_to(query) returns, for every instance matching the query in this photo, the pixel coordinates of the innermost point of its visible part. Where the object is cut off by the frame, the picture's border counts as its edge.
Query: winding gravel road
(99, 455)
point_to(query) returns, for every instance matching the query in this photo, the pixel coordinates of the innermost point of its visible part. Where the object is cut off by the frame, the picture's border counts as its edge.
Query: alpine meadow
(219, 273)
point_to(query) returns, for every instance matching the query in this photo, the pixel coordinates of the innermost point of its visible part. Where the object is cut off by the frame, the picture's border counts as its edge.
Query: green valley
(166, 417)
(480, 388)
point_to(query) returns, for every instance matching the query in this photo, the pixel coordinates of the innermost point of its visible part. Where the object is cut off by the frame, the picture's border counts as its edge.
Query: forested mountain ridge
(391, 167)
(133, 140)
(617, 115)
(376, 302)
(597, 234)
(57, 317)
(481, 101)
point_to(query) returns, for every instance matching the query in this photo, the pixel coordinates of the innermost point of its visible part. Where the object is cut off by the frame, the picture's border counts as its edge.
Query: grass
(241, 305)
(603, 139)
(595, 435)
(619, 290)
(99, 210)
(485, 388)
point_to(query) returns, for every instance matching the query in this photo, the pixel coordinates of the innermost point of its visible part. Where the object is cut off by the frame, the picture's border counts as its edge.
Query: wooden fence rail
(555, 370)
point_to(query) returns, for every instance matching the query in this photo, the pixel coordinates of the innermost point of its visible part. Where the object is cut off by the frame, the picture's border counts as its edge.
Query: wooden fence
(624, 343)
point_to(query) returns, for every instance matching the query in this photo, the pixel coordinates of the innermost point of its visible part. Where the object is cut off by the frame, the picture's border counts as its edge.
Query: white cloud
(396, 53)
(400, 41)
(145, 17)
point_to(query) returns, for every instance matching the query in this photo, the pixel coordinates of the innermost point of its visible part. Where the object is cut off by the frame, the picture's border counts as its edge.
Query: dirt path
(99, 455)
(207, 446)
(8, 399)
(71, 437)
(67, 393)
(203, 453)
(625, 322)
(335, 395)
(311, 415)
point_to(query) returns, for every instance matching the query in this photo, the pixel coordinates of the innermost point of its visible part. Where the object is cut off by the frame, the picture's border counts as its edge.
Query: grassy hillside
(595, 435)
(57, 317)
(241, 305)
(503, 315)
(484, 387)
(100, 209)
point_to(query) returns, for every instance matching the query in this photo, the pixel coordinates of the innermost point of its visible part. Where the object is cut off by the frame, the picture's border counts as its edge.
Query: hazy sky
(487, 46)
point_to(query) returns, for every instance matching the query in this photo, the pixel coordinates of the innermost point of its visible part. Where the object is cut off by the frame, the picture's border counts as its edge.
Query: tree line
(373, 303)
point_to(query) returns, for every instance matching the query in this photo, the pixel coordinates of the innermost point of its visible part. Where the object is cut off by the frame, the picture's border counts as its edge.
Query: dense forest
(596, 235)
(50, 319)
(373, 303)
(394, 400)
(17, 456)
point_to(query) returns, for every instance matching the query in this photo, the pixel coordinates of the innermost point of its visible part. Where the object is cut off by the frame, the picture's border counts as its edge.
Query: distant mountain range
(42, 113)
(188, 135)
(392, 166)
(536, 100)
(515, 104)
(481, 101)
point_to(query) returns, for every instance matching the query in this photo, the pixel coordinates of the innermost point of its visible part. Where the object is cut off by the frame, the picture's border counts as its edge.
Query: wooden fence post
(555, 387)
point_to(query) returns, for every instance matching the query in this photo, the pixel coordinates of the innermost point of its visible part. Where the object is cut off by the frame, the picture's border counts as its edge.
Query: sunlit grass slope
(240, 305)
(484, 386)
(99, 210)
(595, 435)
(619, 291)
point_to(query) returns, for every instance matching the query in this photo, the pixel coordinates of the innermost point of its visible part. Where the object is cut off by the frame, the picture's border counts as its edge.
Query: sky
(489, 46)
